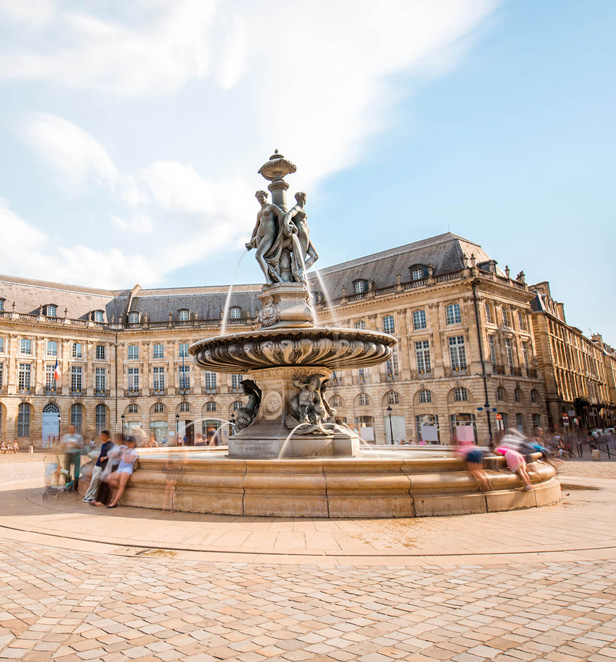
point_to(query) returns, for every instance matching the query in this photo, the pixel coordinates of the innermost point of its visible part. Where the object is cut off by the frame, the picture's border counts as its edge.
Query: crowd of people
(9, 447)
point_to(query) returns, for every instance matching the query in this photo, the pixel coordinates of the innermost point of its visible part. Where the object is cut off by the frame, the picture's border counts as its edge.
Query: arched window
(500, 393)
(183, 315)
(77, 417)
(460, 394)
(184, 406)
(425, 396)
(51, 408)
(517, 395)
(534, 396)
(101, 418)
(133, 318)
(51, 310)
(235, 313)
(159, 408)
(418, 272)
(360, 286)
(389, 325)
(210, 406)
(363, 400)
(23, 420)
(336, 401)
(238, 404)
(133, 409)
(360, 325)
(393, 398)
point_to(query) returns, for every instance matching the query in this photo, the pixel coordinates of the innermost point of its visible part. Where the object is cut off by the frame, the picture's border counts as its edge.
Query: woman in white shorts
(120, 477)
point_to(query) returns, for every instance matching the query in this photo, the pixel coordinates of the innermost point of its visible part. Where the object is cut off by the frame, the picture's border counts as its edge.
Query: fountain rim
(286, 332)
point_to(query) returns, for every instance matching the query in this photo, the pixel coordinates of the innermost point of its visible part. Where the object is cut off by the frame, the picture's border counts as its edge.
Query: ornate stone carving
(245, 415)
(272, 405)
(309, 405)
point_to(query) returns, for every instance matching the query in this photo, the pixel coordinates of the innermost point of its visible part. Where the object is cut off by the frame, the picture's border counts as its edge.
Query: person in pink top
(517, 464)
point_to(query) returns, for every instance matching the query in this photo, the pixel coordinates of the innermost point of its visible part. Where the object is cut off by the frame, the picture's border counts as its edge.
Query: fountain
(291, 454)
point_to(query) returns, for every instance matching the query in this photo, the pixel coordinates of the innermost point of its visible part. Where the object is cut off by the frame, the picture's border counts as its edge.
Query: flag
(56, 372)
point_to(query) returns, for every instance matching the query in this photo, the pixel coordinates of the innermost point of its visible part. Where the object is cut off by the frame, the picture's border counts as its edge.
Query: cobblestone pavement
(73, 606)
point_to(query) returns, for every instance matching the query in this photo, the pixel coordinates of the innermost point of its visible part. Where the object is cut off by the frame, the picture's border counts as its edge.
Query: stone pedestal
(286, 305)
(271, 435)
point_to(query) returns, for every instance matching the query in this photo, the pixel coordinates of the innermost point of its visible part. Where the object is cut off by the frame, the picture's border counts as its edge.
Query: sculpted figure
(264, 238)
(246, 414)
(308, 405)
(296, 222)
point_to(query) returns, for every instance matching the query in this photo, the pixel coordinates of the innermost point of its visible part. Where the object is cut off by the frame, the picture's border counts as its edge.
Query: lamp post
(232, 427)
(122, 417)
(391, 429)
(177, 429)
(59, 426)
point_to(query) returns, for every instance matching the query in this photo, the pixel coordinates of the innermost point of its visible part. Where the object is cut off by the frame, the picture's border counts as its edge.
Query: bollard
(31, 449)
(596, 455)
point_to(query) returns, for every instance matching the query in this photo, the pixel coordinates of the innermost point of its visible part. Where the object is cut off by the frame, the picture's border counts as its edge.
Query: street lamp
(177, 429)
(391, 430)
(122, 417)
(232, 428)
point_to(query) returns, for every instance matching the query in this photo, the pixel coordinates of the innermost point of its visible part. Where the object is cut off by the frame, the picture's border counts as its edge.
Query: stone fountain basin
(402, 485)
(293, 347)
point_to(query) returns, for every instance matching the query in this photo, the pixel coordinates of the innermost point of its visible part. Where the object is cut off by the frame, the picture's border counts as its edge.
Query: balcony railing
(159, 391)
(132, 392)
(422, 374)
(77, 391)
(24, 391)
(455, 372)
(210, 390)
(184, 390)
(101, 392)
(52, 391)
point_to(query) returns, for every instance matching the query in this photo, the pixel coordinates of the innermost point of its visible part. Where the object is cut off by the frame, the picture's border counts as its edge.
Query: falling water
(225, 315)
(297, 248)
(211, 418)
(286, 441)
(328, 300)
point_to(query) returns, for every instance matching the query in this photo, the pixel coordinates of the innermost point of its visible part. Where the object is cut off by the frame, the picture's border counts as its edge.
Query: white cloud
(70, 151)
(33, 13)
(139, 224)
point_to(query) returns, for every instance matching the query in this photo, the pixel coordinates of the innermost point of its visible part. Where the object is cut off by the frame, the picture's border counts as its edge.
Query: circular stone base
(204, 482)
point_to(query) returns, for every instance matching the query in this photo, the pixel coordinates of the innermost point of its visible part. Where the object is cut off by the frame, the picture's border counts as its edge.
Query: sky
(131, 135)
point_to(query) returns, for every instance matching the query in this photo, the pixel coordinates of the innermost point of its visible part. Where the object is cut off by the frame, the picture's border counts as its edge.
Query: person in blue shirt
(101, 463)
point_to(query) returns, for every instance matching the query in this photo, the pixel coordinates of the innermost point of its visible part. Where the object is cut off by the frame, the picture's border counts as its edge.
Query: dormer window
(418, 272)
(183, 315)
(133, 318)
(51, 310)
(360, 286)
(99, 315)
(2, 304)
(235, 312)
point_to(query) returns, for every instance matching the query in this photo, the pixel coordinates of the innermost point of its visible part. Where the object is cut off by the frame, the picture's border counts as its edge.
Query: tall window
(133, 379)
(209, 380)
(489, 318)
(393, 398)
(536, 420)
(419, 319)
(100, 380)
(24, 376)
(26, 346)
(389, 325)
(50, 378)
(235, 312)
(1, 304)
(236, 381)
(360, 325)
(519, 422)
(101, 418)
(362, 375)
(363, 400)
(521, 321)
(77, 350)
(393, 364)
(425, 396)
(100, 353)
(422, 352)
(133, 318)
(1, 375)
(525, 355)
(184, 377)
(460, 394)
(210, 406)
(159, 351)
(183, 315)
(99, 316)
(52, 348)
(457, 354)
(360, 286)
(23, 420)
(133, 352)
(51, 310)
(452, 313)
(1, 345)
(77, 417)
(492, 348)
(517, 395)
(500, 393)
(509, 352)
(183, 350)
(506, 319)
(76, 375)
(534, 396)
(158, 378)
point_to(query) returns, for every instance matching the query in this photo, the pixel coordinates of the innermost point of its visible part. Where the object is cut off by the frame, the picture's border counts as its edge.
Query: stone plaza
(80, 583)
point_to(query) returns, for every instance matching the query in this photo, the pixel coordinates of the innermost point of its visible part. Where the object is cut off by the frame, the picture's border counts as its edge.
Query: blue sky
(131, 135)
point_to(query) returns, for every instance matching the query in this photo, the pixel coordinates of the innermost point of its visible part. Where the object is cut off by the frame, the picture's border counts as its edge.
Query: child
(517, 464)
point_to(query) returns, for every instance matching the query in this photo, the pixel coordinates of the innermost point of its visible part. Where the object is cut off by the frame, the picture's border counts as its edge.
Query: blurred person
(473, 458)
(172, 468)
(103, 498)
(97, 471)
(516, 464)
(72, 445)
(120, 477)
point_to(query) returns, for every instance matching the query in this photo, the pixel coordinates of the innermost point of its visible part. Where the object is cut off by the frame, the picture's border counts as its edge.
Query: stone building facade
(578, 372)
(467, 351)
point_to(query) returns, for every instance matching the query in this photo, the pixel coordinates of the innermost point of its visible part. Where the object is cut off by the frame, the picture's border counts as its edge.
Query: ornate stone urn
(289, 360)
